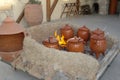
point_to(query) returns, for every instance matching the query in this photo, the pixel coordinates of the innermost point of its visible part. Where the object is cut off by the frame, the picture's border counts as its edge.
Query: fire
(60, 39)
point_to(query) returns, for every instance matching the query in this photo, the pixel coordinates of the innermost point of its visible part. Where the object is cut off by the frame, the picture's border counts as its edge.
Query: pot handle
(27, 34)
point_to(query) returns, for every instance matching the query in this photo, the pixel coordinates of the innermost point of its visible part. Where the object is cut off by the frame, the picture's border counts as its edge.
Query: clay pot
(84, 33)
(11, 36)
(51, 42)
(67, 32)
(98, 32)
(33, 14)
(11, 39)
(75, 45)
(98, 44)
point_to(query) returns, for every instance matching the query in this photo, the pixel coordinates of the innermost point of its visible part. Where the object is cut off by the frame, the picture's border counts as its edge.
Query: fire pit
(30, 59)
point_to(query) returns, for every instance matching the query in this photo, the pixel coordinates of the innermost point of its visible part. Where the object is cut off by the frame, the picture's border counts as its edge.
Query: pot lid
(96, 37)
(84, 28)
(51, 40)
(66, 27)
(75, 39)
(9, 26)
(98, 31)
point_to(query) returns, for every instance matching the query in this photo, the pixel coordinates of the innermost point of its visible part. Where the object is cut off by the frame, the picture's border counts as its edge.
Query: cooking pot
(84, 33)
(75, 44)
(98, 44)
(51, 42)
(67, 32)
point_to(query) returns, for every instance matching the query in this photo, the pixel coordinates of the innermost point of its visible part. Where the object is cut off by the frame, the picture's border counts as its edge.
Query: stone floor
(110, 24)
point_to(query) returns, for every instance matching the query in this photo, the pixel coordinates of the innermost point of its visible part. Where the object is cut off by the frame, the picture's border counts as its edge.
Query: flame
(60, 39)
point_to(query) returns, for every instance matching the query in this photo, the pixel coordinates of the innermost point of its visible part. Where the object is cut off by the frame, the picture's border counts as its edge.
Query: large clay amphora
(33, 14)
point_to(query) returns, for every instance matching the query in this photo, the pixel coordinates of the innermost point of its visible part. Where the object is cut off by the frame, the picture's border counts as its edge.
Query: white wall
(18, 6)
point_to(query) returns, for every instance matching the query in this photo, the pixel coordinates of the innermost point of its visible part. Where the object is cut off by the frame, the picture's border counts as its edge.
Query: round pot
(98, 32)
(75, 45)
(67, 32)
(83, 33)
(33, 14)
(98, 45)
(51, 42)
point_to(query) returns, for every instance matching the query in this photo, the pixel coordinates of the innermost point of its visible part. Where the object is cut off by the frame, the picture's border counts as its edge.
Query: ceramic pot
(11, 36)
(33, 14)
(98, 45)
(51, 42)
(67, 32)
(83, 33)
(11, 39)
(75, 45)
(98, 32)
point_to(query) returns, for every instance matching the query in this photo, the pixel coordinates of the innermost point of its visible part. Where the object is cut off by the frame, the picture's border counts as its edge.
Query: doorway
(95, 8)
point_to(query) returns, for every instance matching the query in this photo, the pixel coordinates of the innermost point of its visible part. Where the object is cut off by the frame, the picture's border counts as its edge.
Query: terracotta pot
(75, 45)
(51, 42)
(83, 33)
(67, 32)
(98, 44)
(11, 39)
(11, 36)
(98, 32)
(33, 14)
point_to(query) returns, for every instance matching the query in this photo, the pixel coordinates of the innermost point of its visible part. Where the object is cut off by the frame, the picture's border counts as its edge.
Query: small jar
(98, 44)
(84, 33)
(75, 44)
(67, 32)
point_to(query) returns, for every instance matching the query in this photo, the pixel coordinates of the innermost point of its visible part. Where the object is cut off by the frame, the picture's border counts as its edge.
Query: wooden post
(113, 6)
(77, 6)
(48, 10)
(20, 17)
(53, 6)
